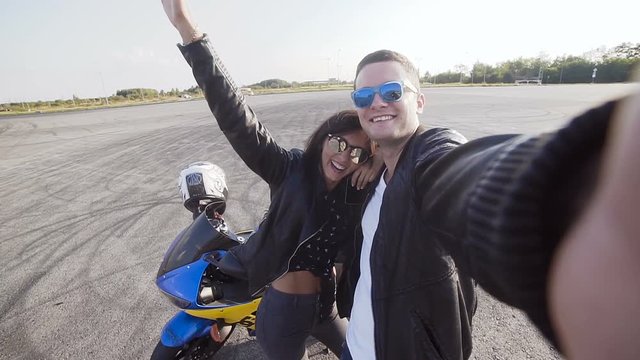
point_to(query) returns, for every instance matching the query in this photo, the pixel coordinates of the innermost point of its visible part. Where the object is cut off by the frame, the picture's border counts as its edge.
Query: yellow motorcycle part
(243, 314)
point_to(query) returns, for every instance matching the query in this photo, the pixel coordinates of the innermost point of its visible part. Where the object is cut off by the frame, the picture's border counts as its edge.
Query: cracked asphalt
(90, 203)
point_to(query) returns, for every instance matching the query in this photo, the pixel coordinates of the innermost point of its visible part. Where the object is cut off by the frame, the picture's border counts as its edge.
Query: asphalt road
(90, 203)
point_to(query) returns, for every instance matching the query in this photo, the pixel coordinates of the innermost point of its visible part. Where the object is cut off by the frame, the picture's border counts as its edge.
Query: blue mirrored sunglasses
(391, 91)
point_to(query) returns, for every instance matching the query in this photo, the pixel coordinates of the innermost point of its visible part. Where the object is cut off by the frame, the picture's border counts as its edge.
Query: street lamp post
(328, 68)
(540, 73)
(593, 75)
(484, 74)
(106, 98)
(338, 66)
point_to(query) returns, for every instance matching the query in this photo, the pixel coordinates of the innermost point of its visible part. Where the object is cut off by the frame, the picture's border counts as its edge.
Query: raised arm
(248, 137)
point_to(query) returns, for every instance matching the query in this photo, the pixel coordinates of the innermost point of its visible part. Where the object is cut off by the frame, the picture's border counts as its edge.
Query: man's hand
(594, 290)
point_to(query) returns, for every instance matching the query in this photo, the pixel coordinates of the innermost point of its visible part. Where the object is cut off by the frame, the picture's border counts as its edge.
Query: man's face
(389, 123)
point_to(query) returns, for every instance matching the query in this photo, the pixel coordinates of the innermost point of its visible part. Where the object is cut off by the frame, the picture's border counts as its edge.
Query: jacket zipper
(291, 257)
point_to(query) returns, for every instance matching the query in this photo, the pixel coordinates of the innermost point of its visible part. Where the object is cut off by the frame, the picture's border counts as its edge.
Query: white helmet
(203, 181)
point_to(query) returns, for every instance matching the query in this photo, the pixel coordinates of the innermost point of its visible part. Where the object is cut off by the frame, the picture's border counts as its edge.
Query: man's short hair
(389, 55)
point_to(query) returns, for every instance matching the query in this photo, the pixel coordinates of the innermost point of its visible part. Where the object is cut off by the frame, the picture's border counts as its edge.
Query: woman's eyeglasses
(357, 154)
(391, 91)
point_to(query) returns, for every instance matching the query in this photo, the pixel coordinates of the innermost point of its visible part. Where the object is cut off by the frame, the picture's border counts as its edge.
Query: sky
(54, 49)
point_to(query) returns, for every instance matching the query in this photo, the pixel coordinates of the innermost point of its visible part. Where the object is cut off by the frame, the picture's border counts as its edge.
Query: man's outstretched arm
(501, 205)
(595, 277)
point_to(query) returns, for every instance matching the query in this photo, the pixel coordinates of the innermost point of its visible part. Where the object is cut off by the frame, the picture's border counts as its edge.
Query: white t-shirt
(360, 331)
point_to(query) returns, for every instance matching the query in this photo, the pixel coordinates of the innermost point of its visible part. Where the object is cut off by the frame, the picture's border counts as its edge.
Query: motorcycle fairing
(183, 328)
(184, 282)
(243, 314)
(202, 236)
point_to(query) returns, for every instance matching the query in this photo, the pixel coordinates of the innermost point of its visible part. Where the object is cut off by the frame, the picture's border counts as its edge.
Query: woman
(313, 211)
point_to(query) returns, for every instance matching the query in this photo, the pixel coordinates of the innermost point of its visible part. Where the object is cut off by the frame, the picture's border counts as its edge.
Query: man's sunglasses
(357, 154)
(391, 91)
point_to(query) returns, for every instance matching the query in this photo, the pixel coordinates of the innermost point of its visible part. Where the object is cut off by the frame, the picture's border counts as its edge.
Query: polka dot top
(318, 253)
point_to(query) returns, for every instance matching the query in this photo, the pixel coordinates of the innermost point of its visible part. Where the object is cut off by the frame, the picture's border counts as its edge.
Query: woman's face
(337, 165)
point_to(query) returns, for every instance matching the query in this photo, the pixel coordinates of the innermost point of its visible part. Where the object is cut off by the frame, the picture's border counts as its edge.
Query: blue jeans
(284, 321)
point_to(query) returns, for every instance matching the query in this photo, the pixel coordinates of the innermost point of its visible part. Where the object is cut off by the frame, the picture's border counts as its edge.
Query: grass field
(40, 107)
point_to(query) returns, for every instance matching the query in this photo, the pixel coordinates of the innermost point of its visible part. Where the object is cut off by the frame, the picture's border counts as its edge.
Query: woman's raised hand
(179, 16)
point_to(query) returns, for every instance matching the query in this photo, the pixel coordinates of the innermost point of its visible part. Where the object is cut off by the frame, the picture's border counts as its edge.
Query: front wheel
(201, 348)
(162, 352)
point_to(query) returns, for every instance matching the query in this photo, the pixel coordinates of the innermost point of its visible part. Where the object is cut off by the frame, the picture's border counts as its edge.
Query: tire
(201, 348)
(162, 352)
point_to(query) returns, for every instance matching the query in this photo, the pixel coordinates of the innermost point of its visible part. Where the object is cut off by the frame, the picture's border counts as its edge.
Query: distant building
(528, 82)
(246, 91)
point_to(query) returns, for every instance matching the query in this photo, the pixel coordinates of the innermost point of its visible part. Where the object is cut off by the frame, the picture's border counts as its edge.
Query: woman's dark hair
(340, 123)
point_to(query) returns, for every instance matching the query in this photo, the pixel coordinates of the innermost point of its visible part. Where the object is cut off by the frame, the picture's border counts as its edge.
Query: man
(498, 205)
(406, 281)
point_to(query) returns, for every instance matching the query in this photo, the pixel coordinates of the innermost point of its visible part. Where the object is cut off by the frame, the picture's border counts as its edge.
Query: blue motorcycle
(212, 304)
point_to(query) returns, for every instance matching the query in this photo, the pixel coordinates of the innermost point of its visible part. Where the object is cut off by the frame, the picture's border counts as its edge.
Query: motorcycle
(213, 304)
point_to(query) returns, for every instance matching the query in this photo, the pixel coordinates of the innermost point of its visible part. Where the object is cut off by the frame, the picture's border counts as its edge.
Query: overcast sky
(55, 49)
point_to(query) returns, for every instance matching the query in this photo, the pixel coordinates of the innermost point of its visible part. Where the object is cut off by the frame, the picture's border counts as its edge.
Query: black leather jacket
(295, 181)
(415, 284)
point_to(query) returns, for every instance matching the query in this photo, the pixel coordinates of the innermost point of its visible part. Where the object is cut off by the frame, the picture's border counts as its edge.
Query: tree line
(599, 66)
(122, 96)
(283, 84)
